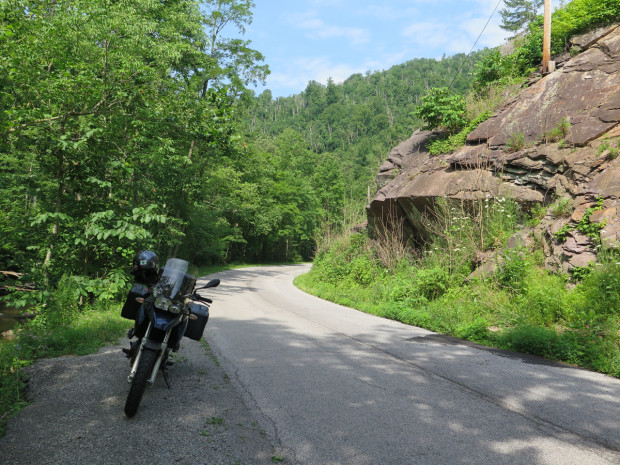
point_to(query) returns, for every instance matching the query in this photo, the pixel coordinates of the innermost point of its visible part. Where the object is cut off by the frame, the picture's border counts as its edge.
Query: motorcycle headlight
(163, 303)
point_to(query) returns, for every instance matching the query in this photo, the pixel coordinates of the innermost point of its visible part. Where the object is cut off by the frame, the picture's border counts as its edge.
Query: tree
(230, 61)
(101, 105)
(518, 14)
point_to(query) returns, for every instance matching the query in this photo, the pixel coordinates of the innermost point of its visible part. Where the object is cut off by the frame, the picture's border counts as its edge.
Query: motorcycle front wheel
(138, 384)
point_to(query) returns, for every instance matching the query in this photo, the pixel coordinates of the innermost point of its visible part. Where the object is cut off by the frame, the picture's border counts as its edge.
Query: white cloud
(457, 36)
(388, 12)
(316, 28)
(297, 74)
(387, 61)
(429, 34)
(492, 35)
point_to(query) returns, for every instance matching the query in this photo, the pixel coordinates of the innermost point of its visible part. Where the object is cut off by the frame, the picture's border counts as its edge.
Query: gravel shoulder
(76, 416)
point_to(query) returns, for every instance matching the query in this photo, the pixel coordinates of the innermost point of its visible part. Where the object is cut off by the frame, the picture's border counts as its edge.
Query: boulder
(585, 92)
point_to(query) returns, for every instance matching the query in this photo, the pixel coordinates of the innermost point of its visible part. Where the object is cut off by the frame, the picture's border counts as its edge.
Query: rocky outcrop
(558, 139)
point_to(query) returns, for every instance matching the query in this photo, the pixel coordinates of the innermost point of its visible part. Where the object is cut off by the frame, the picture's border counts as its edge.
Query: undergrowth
(63, 328)
(518, 305)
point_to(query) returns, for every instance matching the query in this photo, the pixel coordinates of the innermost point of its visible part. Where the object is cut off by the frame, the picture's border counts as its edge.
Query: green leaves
(108, 133)
(440, 109)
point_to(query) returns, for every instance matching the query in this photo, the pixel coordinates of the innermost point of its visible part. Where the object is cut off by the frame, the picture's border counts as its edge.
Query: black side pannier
(196, 327)
(131, 307)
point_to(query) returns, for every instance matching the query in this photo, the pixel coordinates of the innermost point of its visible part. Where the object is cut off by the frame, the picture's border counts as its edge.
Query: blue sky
(305, 40)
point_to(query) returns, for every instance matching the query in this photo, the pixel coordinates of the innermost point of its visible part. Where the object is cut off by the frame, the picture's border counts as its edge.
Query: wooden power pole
(547, 40)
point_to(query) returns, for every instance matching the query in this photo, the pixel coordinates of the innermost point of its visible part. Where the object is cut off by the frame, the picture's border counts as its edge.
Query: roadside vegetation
(513, 304)
(64, 325)
(513, 301)
(159, 143)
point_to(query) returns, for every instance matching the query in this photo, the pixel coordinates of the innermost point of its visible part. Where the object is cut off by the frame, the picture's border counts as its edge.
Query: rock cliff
(517, 153)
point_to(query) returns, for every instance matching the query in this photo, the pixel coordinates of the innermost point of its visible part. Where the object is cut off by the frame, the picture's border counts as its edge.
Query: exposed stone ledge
(586, 91)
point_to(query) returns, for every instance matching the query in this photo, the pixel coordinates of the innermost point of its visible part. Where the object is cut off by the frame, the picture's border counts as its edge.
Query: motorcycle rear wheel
(138, 385)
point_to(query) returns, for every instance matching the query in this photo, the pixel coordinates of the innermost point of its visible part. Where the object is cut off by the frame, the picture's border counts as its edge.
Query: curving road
(331, 385)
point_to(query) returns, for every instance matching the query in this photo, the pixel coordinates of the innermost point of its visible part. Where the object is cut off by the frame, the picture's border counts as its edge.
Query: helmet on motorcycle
(145, 267)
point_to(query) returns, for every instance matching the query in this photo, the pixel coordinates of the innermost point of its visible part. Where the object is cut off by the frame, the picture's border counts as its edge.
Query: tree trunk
(56, 226)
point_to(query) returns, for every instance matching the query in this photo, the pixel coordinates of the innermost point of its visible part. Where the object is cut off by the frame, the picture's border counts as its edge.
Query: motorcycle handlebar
(202, 299)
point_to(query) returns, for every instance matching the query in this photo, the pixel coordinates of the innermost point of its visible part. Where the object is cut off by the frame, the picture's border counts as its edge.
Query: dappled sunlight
(338, 373)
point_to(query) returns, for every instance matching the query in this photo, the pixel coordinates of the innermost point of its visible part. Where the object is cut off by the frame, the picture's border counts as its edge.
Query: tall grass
(516, 304)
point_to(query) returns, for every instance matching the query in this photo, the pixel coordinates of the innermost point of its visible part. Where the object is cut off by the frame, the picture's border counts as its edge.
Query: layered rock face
(517, 154)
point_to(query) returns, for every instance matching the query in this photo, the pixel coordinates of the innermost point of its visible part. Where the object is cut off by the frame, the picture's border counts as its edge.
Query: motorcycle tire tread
(138, 385)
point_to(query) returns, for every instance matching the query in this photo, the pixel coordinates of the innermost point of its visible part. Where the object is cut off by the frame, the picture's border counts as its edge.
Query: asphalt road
(331, 385)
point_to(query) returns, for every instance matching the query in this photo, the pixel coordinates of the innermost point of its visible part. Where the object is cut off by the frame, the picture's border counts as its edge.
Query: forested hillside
(133, 129)
(358, 121)
(471, 236)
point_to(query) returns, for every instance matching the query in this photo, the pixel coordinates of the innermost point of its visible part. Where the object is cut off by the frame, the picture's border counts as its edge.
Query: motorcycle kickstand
(165, 372)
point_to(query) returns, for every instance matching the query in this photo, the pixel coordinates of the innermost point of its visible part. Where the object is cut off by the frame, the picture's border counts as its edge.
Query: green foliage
(559, 132)
(520, 306)
(356, 122)
(476, 331)
(576, 17)
(362, 270)
(537, 213)
(519, 13)
(601, 289)
(561, 234)
(584, 225)
(441, 110)
(579, 273)
(562, 208)
(512, 269)
(612, 150)
(515, 142)
(456, 141)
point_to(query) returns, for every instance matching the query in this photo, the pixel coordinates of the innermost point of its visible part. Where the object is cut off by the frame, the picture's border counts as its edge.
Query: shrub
(440, 109)
(559, 132)
(602, 289)
(545, 298)
(476, 331)
(562, 208)
(432, 282)
(512, 269)
(456, 141)
(537, 213)
(362, 270)
(515, 142)
(534, 340)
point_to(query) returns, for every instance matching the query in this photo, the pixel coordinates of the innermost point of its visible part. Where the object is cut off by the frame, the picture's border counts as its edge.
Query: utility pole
(547, 67)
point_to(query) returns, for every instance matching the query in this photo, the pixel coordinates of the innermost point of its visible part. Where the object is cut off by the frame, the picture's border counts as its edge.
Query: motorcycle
(167, 310)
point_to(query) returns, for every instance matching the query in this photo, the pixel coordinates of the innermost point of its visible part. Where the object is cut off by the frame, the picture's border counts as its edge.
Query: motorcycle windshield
(177, 280)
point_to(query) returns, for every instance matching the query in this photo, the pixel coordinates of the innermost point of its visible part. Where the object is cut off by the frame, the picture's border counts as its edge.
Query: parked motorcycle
(164, 305)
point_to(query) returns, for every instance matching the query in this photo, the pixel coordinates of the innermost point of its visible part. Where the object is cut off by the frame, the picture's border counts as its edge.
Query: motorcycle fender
(152, 345)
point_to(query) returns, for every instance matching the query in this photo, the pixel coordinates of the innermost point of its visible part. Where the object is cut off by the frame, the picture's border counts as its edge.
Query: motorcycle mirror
(213, 283)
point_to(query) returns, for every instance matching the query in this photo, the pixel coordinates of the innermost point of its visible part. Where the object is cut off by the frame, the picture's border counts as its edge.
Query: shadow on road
(398, 394)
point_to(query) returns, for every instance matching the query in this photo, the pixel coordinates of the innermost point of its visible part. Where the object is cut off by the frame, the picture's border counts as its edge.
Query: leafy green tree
(518, 14)
(108, 132)
(230, 61)
(333, 93)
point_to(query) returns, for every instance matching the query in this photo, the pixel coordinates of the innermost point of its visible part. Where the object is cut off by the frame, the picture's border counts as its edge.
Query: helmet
(145, 266)
(146, 260)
